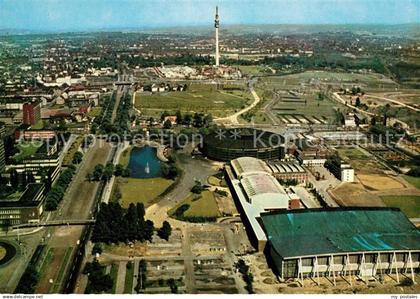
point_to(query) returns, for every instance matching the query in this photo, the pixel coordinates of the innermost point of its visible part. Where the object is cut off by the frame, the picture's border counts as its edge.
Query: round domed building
(228, 144)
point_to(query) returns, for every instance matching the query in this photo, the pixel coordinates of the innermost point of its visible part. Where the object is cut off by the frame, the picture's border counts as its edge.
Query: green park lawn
(114, 275)
(415, 181)
(203, 98)
(201, 205)
(95, 111)
(38, 126)
(26, 150)
(68, 158)
(125, 157)
(409, 204)
(128, 283)
(351, 153)
(134, 190)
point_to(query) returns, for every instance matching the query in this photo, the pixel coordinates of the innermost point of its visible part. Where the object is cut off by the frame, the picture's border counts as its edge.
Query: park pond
(144, 163)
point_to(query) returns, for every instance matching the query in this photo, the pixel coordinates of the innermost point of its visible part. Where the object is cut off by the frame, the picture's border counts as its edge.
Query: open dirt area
(354, 194)
(379, 182)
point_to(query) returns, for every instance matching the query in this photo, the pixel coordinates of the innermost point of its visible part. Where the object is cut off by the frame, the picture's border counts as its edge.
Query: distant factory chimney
(217, 25)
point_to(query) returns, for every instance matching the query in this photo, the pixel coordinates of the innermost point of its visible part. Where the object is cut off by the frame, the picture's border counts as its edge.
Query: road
(76, 204)
(394, 102)
(233, 119)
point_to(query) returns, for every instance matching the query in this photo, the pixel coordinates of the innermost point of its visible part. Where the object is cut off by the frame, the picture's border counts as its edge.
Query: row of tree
(196, 120)
(104, 173)
(56, 193)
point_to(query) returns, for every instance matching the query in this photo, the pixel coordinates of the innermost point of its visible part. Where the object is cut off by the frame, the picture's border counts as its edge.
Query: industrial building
(362, 242)
(287, 171)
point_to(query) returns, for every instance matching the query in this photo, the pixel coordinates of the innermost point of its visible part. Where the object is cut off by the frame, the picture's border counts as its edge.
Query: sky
(59, 15)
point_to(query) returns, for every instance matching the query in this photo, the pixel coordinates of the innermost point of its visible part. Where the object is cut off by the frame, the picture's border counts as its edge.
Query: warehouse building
(362, 242)
(287, 171)
(255, 191)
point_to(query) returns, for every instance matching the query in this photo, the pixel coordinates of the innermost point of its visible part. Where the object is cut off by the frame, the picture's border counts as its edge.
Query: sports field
(205, 98)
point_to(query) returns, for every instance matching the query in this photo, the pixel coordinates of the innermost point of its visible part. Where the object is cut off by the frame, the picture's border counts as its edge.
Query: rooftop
(29, 198)
(312, 232)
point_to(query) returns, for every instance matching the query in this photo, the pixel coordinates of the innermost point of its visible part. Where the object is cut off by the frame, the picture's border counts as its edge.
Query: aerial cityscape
(207, 147)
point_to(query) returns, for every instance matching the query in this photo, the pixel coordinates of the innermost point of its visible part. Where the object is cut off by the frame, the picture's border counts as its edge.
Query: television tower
(217, 25)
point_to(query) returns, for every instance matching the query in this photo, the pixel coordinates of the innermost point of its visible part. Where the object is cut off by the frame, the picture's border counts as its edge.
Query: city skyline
(60, 15)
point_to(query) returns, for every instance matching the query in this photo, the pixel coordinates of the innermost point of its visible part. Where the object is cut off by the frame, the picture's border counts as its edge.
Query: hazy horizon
(98, 15)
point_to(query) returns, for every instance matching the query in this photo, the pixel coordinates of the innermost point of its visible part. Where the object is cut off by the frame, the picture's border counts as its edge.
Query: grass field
(412, 180)
(47, 260)
(26, 149)
(204, 98)
(140, 190)
(95, 111)
(38, 126)
(326, 77)
(202, 205)
(72, 150)
(60, 276)
(348, 153)
(253, 69)
(410, 205)
(2, 252)
(114, 275)
(125, 157)
(128, 283)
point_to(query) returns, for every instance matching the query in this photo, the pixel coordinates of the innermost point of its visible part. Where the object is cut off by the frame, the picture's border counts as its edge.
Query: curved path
(233, 119)
(394, 101)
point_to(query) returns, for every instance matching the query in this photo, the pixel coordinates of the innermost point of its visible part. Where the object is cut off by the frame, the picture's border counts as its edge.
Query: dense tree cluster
(30, 277)
(170, 170)
(56, 194)
(114, 224)
(98, 281)
(243, 268)
(101, 172)
(77, 157)
(165, 231)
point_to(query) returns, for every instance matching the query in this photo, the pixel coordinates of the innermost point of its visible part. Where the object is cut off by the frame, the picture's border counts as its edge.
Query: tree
(119, 169)
(77, 157)
(179, 119)
(165, 231)
(172, 285)
(357, 102)
(167, 124)
(108, 171)
(98, 281)
(98, 248)
(97, 172)
(126, 173)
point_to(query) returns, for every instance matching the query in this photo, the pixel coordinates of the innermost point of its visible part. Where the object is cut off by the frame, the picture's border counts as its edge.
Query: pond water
(144, 163)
